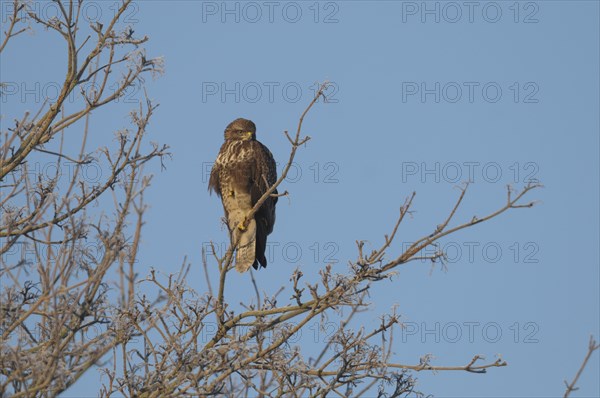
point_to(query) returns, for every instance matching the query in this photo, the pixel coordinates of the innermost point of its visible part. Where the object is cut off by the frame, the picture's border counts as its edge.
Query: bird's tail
(246, 250)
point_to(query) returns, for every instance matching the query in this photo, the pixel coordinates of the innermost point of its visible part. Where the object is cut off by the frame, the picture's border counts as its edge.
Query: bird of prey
(243, 172)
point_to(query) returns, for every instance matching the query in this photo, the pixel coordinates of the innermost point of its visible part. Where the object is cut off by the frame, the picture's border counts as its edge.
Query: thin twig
(592, 346)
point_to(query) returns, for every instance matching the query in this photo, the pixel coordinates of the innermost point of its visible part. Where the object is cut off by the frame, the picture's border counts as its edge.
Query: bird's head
(241, 130)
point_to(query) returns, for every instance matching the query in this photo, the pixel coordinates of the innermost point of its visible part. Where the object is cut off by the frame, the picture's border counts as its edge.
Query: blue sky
(424, 95)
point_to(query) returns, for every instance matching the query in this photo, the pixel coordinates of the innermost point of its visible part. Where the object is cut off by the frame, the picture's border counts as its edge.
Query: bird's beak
(248, 134)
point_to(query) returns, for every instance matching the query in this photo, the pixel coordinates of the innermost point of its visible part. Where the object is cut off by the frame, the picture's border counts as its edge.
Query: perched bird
(243, 172)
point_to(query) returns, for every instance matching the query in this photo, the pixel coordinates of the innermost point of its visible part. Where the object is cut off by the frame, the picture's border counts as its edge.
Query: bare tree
(250, 353)
(61, 313)
(56, 313)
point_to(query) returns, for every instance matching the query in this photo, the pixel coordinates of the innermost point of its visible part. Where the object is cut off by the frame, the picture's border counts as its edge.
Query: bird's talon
(241, 226)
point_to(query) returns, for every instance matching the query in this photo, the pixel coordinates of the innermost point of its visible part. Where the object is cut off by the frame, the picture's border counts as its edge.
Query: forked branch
(592, 346)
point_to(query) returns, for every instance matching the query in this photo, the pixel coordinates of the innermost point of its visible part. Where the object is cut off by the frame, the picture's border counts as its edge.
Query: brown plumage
(243, 172)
